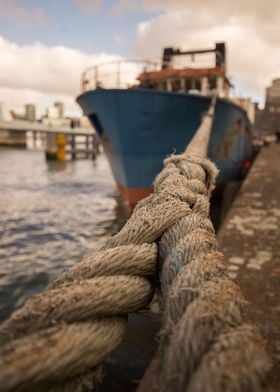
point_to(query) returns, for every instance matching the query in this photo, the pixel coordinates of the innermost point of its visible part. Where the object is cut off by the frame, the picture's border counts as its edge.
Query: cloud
(251, 30)
(119, 39)
(38, 73)
(257, 10)
(15, 11)
(88, 6)
(123, 6)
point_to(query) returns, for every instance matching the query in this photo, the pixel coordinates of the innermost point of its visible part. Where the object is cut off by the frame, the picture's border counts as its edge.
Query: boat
(145, 111)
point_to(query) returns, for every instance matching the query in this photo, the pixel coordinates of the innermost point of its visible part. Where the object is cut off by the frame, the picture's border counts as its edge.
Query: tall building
(268, 120)
(272, 104)
(30, 112)
(60, 108)
(52, 112)
(248, 106)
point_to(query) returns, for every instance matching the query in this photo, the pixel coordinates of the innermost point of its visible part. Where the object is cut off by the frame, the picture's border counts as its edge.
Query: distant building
(52, 112)
(248, 106)
(268, 119)
(30, 112)
(54, 116)
(60, 108)
(84, 122)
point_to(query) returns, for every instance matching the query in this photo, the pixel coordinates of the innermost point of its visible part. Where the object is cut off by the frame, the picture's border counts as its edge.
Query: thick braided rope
(78, 320)
(206, 343)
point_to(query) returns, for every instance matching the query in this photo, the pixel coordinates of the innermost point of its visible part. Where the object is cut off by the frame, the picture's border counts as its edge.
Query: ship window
(163, 85)
(176, 85)
(188, 84)
(212, 82)
(148, 84)
(197, 84)
(194, 84)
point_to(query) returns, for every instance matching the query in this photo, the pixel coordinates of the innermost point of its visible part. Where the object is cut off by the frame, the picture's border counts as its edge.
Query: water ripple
(51, 214)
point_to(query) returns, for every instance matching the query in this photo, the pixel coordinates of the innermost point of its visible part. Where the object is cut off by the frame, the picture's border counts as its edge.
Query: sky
(46, 44)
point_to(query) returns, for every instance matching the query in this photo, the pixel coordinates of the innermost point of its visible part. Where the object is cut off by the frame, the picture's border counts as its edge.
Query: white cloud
(41, 74)
(124, 6)
(91, 6)
(14, 10)
(251, 30)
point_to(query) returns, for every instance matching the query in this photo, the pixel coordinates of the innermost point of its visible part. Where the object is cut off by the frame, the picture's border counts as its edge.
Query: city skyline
(45, 45)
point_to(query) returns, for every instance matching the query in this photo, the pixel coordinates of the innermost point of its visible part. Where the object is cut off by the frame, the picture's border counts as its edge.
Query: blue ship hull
(140, 127)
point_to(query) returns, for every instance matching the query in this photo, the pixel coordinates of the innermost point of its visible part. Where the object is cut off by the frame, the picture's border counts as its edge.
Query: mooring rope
(77, 321)
(206, 343)
(71, 326)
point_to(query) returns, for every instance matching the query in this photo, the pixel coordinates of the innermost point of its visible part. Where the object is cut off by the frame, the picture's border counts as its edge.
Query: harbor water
(51, 214)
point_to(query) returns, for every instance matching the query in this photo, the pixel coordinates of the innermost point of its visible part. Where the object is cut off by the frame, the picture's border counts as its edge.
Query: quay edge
(250, 240)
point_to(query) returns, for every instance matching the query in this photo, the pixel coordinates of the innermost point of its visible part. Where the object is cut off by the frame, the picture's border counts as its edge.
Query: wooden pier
(61, 143)
(71, 146)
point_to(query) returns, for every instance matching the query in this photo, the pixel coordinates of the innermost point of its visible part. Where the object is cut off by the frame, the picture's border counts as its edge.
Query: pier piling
(62, 147)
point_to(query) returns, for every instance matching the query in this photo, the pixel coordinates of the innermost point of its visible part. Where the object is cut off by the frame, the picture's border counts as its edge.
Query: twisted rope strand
(65, 330)
(205, 330)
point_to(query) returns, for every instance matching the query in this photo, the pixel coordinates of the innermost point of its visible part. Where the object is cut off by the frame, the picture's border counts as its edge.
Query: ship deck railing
(116, 74)
(122, 74)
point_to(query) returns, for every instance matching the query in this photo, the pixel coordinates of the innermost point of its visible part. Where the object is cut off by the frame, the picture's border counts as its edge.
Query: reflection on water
(51, 214)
